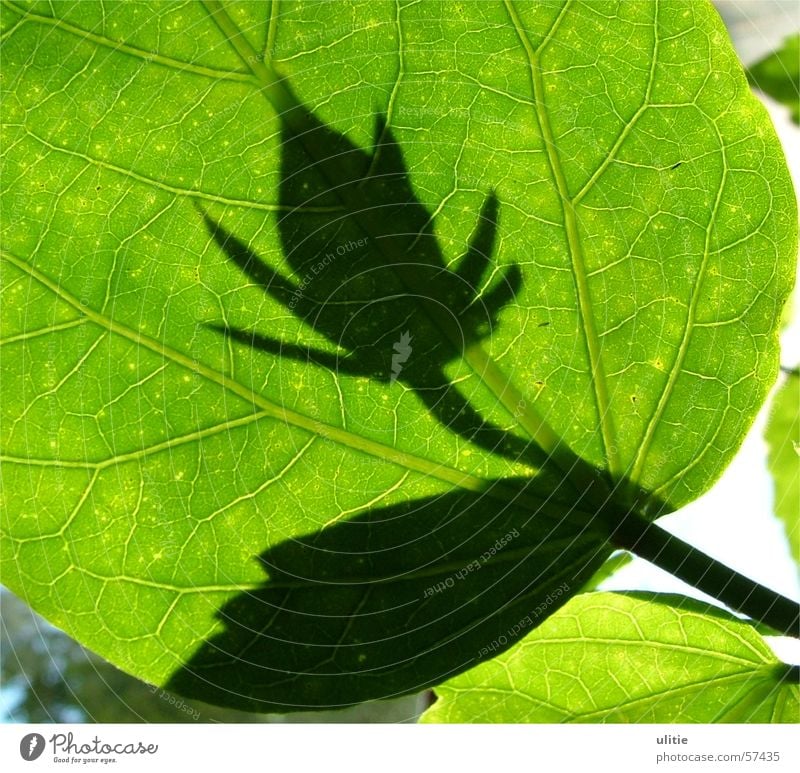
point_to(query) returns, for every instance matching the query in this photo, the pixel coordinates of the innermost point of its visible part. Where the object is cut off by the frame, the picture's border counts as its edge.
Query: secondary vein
(404, 459)
(125, 48)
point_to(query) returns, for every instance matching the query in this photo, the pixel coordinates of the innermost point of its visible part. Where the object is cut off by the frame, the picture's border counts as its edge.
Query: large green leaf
(609, 657)
(174, 406)
(783, 438)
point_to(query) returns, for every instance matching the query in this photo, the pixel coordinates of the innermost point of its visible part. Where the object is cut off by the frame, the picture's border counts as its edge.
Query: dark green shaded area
(779, 75)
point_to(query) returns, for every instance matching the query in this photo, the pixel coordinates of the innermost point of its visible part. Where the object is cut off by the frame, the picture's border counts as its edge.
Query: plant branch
(687, 563)
(633, 533)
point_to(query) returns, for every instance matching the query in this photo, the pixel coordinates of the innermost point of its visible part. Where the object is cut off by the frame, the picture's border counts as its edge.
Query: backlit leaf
(609, 657)
(226, 339)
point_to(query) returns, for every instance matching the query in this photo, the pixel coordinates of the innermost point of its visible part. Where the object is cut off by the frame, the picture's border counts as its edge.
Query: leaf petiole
(684, 561)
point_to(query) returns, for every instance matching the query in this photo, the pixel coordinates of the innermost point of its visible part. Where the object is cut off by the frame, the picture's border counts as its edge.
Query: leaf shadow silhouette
(395, 600)
(403, 596)
(368, 274)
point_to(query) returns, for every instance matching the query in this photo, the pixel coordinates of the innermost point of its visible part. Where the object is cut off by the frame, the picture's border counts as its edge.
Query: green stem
(705, 573)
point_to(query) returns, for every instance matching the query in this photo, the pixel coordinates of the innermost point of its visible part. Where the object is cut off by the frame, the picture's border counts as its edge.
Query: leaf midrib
(579, 272)
(757, 673)
(616, 641)
(582, 716)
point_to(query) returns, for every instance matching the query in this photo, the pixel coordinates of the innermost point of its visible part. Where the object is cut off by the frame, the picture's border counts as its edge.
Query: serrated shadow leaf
(395, 600)
(366, 271)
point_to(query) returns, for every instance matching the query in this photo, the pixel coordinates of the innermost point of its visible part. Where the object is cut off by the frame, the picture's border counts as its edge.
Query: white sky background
(734, 521)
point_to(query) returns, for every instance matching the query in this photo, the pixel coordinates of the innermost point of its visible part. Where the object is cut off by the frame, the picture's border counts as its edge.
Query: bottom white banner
(389, 748)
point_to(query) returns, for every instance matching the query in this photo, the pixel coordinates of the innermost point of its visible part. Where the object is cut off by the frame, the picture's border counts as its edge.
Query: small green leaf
(610, 567)
(779, 75)
(612, 657)
(783, 438)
